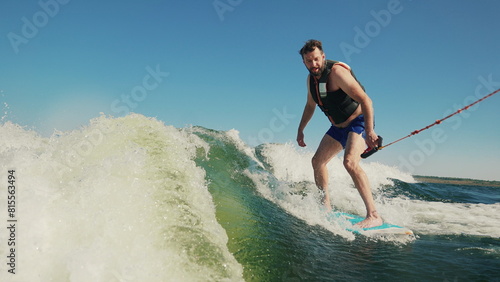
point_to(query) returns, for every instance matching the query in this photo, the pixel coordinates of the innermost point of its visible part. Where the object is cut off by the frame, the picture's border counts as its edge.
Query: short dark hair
(309, 47)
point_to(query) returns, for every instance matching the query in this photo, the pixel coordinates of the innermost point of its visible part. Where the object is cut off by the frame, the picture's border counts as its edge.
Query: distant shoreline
(456, 181)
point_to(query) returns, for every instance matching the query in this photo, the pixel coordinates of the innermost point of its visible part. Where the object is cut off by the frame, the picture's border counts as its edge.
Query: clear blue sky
(228, 64)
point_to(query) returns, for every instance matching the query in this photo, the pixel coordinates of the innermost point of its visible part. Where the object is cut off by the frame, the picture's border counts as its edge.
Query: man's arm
(344, 79)
(306, 117)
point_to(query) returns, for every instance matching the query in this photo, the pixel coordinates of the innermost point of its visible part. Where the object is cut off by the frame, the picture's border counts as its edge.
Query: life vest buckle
(322, 89)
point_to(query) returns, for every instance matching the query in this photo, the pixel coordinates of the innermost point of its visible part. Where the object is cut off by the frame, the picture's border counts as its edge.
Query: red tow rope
(441, 120)
(370, 151)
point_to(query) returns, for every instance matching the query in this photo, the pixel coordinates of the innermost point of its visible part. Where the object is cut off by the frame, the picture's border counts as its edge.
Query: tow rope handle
(370, 151)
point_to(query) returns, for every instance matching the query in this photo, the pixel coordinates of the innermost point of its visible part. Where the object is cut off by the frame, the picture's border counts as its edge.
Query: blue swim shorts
(357, 125)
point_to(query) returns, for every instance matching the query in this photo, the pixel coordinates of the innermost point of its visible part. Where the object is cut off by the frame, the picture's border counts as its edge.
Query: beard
(319, 71)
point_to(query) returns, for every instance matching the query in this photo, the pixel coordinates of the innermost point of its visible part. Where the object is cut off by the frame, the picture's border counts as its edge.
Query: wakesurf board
(348, 221)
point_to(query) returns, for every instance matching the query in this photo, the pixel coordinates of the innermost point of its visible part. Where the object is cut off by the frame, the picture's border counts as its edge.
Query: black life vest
(337, 105)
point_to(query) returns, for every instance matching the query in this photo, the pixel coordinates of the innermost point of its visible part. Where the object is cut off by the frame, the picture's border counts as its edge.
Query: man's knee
(316, 162)
(351, 165)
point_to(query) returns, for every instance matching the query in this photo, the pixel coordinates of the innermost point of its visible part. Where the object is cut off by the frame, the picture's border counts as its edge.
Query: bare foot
(370, 221)
(327, 208)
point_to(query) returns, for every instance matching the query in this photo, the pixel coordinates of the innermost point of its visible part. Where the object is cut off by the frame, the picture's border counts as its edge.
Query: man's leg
(355, 146)
(327, 149)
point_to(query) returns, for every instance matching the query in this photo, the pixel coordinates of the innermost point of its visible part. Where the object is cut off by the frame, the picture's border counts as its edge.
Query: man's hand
(371, 139)
(300, 139)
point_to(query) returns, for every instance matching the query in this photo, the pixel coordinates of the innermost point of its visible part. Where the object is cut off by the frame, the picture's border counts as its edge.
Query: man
(332, 86)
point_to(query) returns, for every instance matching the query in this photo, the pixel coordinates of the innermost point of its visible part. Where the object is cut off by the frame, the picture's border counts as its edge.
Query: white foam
(291, 166)
(119, 200)
(455, 218)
